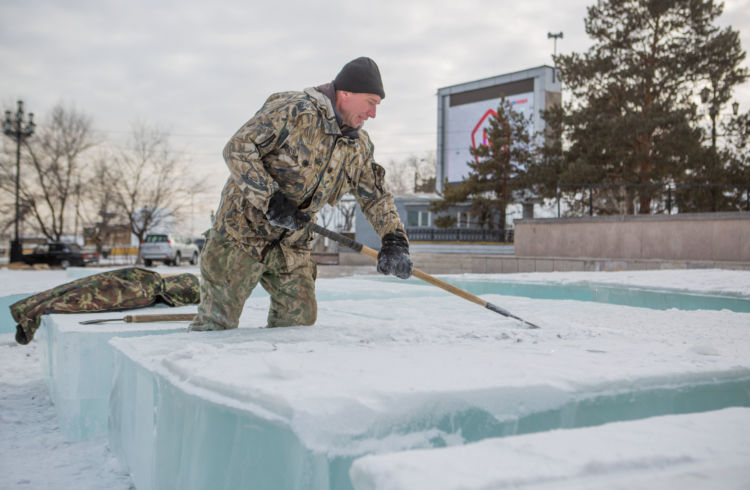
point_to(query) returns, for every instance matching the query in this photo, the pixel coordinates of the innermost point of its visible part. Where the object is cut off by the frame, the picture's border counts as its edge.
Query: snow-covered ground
(34, 453)
(400, 343)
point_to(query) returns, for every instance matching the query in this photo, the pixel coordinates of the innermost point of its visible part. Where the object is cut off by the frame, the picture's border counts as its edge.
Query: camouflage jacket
(118, 289)
(294, 143)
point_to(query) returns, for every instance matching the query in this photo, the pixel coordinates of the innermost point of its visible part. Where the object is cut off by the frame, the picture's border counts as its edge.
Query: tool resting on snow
(365, 250)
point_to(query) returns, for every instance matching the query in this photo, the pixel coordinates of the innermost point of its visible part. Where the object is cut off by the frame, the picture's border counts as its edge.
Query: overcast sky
(200, 69)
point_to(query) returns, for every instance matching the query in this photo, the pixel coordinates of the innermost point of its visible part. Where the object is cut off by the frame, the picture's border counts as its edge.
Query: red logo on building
(480, 125)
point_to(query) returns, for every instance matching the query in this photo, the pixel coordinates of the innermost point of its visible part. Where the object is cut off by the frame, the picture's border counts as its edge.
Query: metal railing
(459, 235)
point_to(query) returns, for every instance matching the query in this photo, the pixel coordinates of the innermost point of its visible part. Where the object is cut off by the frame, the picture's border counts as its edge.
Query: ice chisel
(166, 317)
(365, 250)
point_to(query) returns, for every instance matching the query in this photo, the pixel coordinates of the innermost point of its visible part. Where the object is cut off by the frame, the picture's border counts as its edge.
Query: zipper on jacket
(309, 198)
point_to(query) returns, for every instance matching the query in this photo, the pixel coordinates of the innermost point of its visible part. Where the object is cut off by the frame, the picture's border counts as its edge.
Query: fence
(459, 235)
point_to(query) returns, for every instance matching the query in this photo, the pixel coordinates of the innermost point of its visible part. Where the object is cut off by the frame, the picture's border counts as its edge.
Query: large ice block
(77, 363)
(294, 407)
(77, 360)
(705, 450)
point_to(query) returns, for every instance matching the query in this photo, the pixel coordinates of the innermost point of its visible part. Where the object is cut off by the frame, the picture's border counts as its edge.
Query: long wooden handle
(365, 250)
(164, 317)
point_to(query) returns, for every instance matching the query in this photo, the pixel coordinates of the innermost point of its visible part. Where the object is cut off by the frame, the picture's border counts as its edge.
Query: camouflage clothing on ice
(113, 290)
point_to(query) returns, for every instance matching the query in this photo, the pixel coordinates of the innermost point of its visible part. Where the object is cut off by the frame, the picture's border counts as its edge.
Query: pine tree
(497, 173)
(634, 119)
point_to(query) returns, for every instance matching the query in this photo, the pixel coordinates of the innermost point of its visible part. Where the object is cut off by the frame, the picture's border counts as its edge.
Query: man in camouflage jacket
(301, 151)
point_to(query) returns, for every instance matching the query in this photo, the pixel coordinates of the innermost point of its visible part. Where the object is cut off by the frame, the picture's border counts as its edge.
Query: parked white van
(167, 248)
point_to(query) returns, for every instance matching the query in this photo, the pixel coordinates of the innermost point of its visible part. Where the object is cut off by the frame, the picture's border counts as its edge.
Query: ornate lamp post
(713, 112)
(15, 128)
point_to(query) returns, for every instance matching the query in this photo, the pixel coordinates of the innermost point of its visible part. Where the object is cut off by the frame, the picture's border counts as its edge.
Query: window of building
(418, 218)
(463, 220)
(424, 218)
(412, 218)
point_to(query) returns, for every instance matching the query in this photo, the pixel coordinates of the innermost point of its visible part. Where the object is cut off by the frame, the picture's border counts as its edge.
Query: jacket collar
(324, 96)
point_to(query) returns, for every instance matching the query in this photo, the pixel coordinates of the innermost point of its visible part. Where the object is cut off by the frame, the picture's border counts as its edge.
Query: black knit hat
(360, 76)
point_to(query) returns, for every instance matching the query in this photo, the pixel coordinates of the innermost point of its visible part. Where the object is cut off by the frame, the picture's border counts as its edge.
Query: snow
(391, 367)
(400, 379)
(712, 281)
(661, 452)
(35, 455)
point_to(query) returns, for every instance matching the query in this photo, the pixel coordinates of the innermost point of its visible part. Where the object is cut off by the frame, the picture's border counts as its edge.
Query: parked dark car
(61, 254)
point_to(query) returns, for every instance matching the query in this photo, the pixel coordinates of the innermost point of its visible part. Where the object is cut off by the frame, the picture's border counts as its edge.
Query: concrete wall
(452, 263)
(683, 237)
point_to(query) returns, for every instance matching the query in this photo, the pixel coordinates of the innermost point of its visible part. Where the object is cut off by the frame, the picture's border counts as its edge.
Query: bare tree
(326, 217)
(55, 156)
(151, 181)
(347, 208)
(99, 211)
(406, 176)
(7, 186)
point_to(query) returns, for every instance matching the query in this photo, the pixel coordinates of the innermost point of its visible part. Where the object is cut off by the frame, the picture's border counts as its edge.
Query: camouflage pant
(229, 275)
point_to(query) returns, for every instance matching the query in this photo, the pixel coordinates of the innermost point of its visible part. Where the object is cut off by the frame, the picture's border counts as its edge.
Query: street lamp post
(555, 37)
(15, 128)
(713, 112)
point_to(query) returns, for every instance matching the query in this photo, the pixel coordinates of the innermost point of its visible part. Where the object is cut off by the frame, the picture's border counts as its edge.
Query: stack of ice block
(294, 407)
(78, 364)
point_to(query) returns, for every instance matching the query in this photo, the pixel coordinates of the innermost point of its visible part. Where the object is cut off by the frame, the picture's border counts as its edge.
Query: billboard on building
(464, 111)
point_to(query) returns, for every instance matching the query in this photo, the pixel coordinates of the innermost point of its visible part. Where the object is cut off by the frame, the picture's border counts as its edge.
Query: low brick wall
(711, 237)
(509, 264)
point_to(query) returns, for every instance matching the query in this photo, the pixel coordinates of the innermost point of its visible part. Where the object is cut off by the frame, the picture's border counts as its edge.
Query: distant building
(463, 116)
(115, 235)
(414, 211)
(463, 112)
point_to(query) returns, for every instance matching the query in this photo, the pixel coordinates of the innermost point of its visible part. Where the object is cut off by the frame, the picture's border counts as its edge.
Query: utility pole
(554, 37)
(14, 128)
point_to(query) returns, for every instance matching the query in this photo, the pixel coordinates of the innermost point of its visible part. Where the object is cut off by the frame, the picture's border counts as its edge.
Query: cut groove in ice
(643, 297)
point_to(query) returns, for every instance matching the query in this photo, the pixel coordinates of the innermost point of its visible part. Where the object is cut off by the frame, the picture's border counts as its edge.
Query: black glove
(393, 257)
(282, 212)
